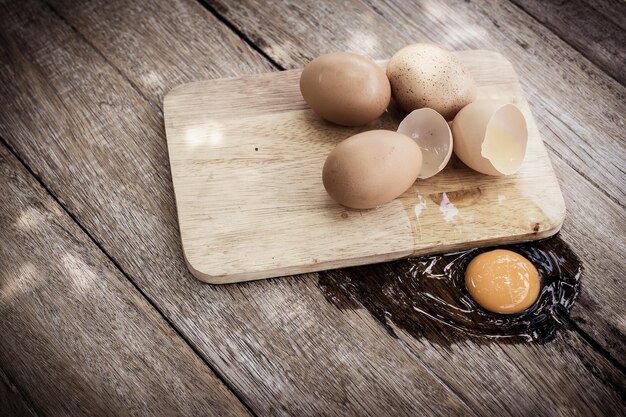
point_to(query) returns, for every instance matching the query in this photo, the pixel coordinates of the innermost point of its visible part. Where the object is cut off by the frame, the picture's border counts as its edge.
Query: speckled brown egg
(371, 168)
(345, 88)
(425, 75)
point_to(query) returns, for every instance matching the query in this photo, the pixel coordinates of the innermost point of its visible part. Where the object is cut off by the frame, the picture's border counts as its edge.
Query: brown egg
(425, 75)
(345, 88)
(371, 168)
(502, 281)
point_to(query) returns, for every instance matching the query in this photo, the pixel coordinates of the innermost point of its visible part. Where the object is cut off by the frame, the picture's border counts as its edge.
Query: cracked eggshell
(425, 75)
(432, 134)
(490, 137)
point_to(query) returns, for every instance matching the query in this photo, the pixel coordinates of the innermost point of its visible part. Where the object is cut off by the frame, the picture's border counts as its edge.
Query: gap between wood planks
(585, 336)
(231, 26)
(117, 265)
(25, 407)
(149, 110)
(595, 345)
(589, 49)
(90, 236)
(577, 169)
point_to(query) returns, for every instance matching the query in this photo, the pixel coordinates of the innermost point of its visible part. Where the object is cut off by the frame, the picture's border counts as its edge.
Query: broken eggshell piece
(490, 137)
(431, 132)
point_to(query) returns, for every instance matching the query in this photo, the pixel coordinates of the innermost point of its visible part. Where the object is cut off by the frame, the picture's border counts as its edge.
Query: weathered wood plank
(589, 139)
(614, 10)
(498, 379)
(598, 240)
(555, 77)
(589, 31)
(101, 148)
(278, 342)
(12, 404)
(76, 336)
(180, 54)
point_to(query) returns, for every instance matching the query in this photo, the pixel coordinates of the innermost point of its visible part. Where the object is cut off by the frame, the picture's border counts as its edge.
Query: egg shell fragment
(345, 88)
(432, 133)
(490, 136)
(425, 75)
(371, 168)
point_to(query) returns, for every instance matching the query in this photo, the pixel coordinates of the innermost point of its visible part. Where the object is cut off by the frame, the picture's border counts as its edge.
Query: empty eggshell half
(490, 137)
(431, 132)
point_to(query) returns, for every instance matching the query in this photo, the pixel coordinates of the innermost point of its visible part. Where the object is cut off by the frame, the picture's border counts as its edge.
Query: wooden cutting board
(246, 156)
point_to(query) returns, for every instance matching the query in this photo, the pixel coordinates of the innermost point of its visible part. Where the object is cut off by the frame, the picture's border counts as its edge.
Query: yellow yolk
(502, 281)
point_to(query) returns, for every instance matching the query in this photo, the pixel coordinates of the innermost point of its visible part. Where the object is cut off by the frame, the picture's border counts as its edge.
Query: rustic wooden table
(98, 313)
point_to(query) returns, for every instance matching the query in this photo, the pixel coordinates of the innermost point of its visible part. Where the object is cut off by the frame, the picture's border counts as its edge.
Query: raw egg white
(432, 134)
(502, 281)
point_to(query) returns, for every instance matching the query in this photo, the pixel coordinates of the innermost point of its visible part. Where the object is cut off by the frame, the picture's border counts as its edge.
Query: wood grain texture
(12, 403)
(613, 10)
(278, 342)
(588, 30)
(579, 109)
(246, 169)
(75, 334)
(281, 345)
(181, 52)
(549, 370)
(564, 90)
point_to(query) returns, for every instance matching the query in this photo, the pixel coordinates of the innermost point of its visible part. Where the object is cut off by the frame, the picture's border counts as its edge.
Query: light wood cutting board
(246, 156)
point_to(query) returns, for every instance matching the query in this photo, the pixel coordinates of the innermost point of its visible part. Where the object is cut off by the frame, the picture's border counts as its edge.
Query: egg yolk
(502, 281)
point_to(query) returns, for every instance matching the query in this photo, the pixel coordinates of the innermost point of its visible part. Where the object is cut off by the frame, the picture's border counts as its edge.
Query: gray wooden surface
(12, 401)
(597, 29)
(77, 337)
(99, 315)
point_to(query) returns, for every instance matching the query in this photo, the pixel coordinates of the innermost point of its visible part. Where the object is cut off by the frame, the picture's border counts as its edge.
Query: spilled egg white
(432, 134)
(490, 137)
